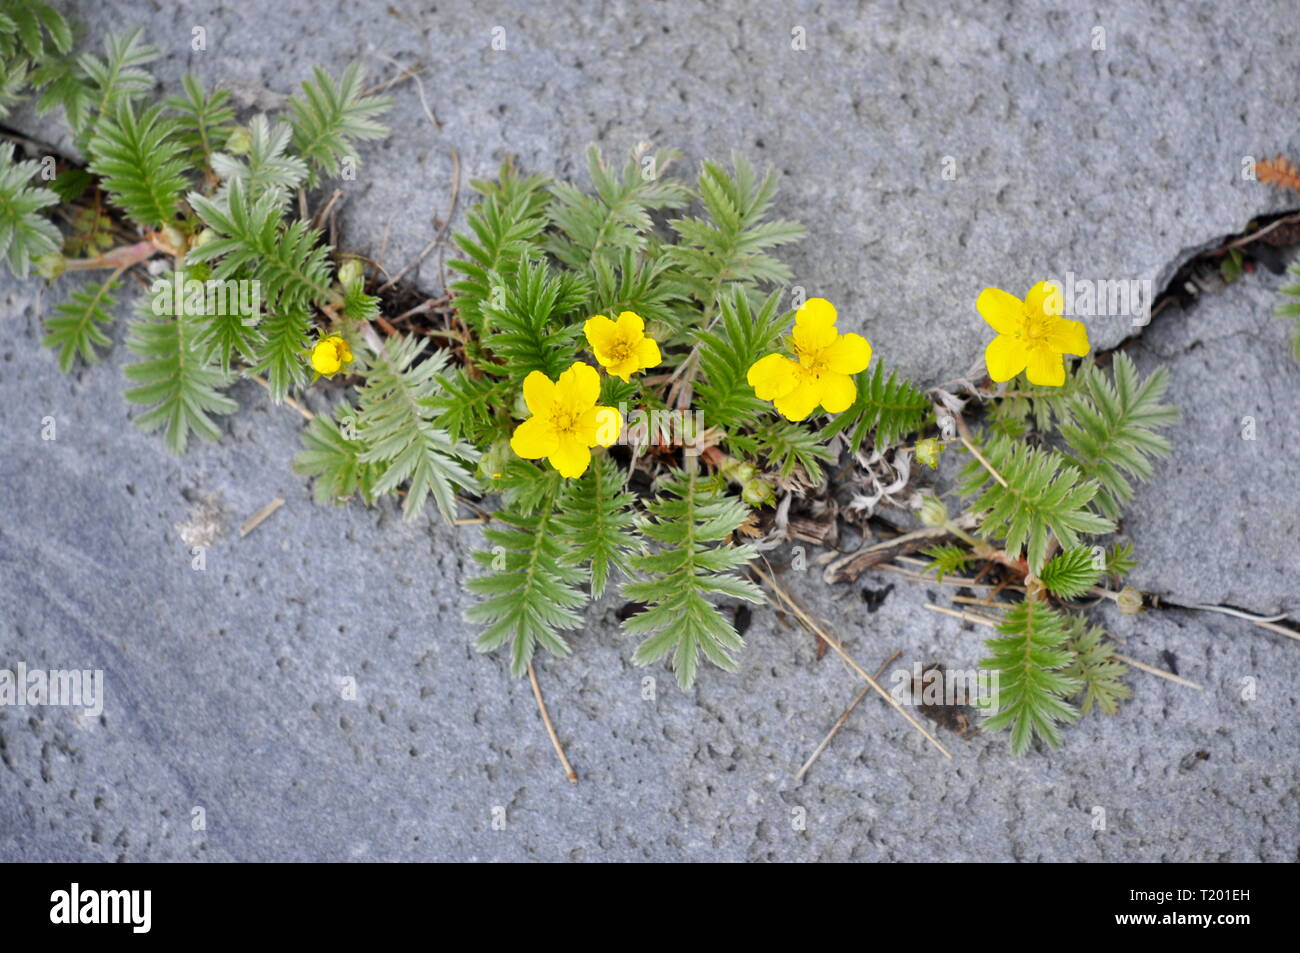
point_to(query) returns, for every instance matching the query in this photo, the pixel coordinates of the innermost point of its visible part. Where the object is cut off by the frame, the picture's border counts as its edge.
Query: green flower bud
(350, 272)
(1129, 601)
(927, 452)
(50, 266)
(758, 492)
(932, 511)
(240, 142)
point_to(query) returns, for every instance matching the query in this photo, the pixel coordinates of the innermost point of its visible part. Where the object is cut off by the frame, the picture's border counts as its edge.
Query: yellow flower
(621, 346)
(823, 373)
(1031, 334)
(565, 422)
(329, 355)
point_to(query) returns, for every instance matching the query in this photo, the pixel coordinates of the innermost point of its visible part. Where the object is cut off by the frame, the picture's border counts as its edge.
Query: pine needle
(550, 728)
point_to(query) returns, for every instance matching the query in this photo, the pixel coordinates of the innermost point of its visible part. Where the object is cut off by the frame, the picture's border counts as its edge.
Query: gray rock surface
(222, 684)
(1224, 526)
(1110, 164)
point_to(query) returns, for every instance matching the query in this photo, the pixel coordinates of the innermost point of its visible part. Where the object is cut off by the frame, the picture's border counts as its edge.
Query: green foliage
(397, 422)
(1095, 667)
(1046, 407)
(947, 558)
(731, 245)
(334, 459)
(470, 407)
(1032, 688)
(25, 234)
(1044, 496)
(267, 170)
(291, 264)
(526, 328)
(89, 87)
(1071, 572)
(141, 162)
(1112, 435)
(691, 520)
(785, 445)
(31, 34)
(328, 117)
(596, 522)
(74, 330)
(172, 378)
(205, 120)
(285, 340)
(726, 354)
(892, 405)
(507, 226)
(644, 286)
(1120, 561)
(32, 31)
(531, 590)
(617, 216)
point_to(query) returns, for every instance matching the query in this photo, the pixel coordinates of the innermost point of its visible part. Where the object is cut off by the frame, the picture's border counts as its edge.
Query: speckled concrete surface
(223, 688)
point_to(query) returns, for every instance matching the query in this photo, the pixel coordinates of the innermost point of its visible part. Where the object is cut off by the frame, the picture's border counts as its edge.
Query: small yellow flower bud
(928, 450)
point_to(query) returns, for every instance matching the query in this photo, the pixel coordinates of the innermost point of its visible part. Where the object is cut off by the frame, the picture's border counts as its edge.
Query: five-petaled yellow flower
(330, 354)
(1032, 334)
(565, 422)
(621, 346)
(823, 373)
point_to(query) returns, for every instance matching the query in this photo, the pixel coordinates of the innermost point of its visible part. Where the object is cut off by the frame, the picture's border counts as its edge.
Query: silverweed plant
(617, 373)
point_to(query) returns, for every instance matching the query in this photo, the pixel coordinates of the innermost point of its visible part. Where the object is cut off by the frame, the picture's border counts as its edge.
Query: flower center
(813, 362)
(565, 421)
(1036, 329)
(620, 350)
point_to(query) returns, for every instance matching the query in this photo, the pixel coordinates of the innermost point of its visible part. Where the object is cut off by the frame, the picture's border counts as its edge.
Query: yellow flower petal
(1003, 311)
(801, 401)
(601, 334)
(849, 355)
(579, 386)
(814, 325)
(534, 439)
(1045, 298)
(1069, 337)
(539, 393)
(839, 391)
(601, 426)
(329, 354)
(1005, 357)
(1046, 367)
(630, 325)
(571, 457)
(647, 353)
(773, 376)
(325, 358)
